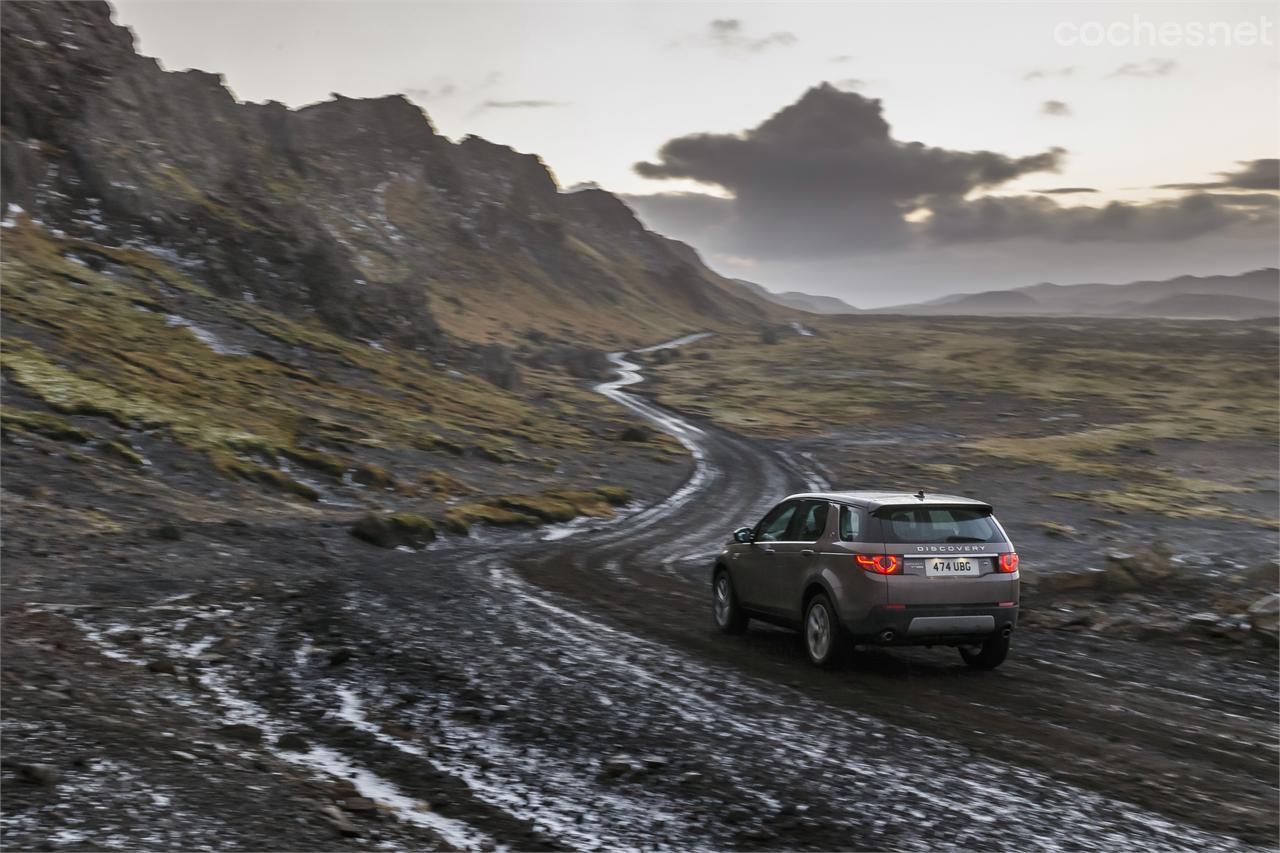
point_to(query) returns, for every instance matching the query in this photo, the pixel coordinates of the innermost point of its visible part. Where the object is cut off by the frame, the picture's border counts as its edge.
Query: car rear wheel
(987, 656)
(824, 639)
(724, 605)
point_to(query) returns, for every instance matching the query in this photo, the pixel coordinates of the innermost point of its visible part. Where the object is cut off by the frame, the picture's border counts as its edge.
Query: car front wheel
(724, 605)
(987, 656)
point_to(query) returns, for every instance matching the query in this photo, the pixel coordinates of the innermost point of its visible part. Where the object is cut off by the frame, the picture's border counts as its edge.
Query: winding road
(564, 689)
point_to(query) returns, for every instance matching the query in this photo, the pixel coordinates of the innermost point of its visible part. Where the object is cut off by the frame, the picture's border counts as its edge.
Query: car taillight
(1008, 563)
(882, 564)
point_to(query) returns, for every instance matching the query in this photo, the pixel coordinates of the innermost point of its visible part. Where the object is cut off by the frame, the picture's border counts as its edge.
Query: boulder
(1146, 566)
(1264, 616)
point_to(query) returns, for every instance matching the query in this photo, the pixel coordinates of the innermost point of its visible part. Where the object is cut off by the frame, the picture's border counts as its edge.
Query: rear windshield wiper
(965, 539)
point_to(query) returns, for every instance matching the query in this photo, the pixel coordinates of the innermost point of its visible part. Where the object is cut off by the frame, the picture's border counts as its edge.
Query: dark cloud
(1045, 73)
(1261, 174)
(823, 178)
(520, 105)
(1147, 68)
(1002, 218)
(731, 35)
(1055, 108)
(824, 175)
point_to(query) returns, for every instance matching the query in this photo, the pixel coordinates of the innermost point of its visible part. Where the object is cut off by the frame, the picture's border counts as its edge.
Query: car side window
(812, 522)
(773, 526)
(850, 524)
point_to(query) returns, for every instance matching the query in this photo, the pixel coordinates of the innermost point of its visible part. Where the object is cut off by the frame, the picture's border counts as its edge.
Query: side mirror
(743, 535)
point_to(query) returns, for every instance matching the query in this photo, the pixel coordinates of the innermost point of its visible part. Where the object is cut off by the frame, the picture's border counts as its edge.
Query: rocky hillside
(353, 211)
(216, 310)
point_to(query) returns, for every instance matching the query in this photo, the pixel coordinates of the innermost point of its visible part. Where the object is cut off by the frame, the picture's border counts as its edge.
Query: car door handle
(769, 550)
(807, 552)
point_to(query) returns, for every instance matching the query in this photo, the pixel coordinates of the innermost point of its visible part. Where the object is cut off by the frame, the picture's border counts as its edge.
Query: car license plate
(950, 567)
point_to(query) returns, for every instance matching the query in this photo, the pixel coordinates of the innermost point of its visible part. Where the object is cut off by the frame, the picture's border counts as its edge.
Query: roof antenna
(920, 494)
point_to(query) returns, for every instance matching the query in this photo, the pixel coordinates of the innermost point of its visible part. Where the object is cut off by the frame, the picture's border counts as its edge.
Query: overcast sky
(878, 152)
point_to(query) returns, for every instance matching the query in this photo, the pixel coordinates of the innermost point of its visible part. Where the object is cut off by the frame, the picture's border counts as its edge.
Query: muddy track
(564, 689)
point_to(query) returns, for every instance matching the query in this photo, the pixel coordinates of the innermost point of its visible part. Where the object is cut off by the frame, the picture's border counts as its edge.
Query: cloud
(1055, 108)
(851, 83)
(1002, 218)
(844, 57)
(730, 36)
(1045, 73)
(824, 176)
(520, 105)
(1261, 174)
(1147, 68)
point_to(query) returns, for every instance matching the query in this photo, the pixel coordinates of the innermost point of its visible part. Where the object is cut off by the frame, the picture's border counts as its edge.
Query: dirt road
(564, 689)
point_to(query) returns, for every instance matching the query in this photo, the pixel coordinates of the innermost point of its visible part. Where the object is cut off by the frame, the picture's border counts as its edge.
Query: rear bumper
(932, 624)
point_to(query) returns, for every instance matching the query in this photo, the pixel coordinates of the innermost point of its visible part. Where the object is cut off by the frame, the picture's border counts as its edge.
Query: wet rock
(1117, 578)
(242, 732)
(736, 814)
(36, 773)
(1058, 530)
(1202, 620)
(359, 805)
(293, 742)
(339, 821)
(616, 766)
(689, 778)
(1235, 627)
(1053, 583)
(340, 656)
(1145, 566)
(181, 756)
(162, 666)
(1264, 615)
(635, 434)
(654, 762)
(168, 532)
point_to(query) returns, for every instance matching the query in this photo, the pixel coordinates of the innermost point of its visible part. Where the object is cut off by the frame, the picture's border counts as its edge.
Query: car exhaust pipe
(1006, 631)
(887, 635)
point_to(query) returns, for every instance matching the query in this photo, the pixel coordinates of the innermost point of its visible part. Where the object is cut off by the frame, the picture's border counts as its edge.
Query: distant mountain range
(1222, 297)
(810, 302)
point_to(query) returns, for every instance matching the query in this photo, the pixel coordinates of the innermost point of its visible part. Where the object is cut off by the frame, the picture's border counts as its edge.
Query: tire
(725, 611)
(824, 638)
(989, 655)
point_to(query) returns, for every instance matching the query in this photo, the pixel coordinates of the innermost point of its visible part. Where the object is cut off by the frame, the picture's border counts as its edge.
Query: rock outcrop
(352, 210)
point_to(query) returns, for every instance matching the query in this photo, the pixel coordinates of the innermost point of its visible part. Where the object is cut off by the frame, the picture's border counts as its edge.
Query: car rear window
(937, 524)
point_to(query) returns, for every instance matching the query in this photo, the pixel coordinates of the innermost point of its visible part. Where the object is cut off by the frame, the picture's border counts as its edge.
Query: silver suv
(867, 568)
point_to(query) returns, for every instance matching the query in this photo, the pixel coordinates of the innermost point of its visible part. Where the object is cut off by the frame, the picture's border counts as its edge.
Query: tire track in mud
(609, 737)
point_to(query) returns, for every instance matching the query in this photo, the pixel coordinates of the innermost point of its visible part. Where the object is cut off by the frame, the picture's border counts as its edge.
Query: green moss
(123, 452)
(543, 507)
(396, 529)
(369, 474)
(459, 519)
(316, 461)
(269, 477)
(42, 423)
(616, 495)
